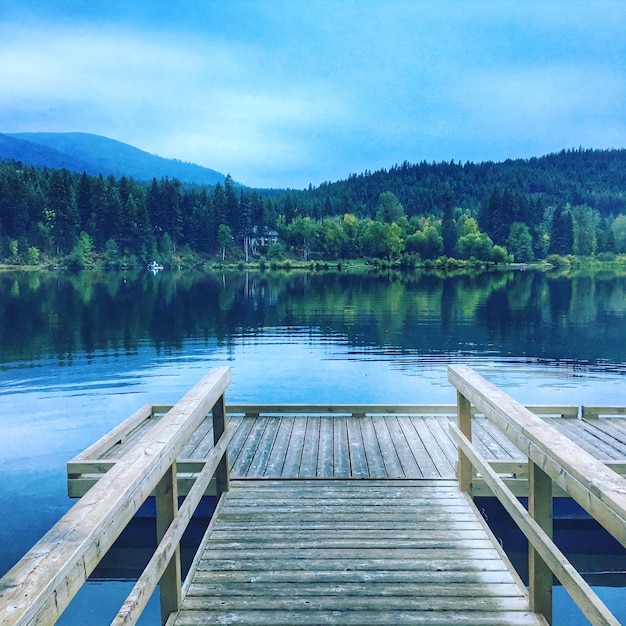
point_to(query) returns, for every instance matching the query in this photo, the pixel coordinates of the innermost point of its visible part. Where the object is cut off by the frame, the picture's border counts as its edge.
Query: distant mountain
(95, 155)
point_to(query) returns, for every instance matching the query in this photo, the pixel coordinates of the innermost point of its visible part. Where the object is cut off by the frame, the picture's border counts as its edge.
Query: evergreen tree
(231, 205)
(219, 207)
(561, 232)
(245, 224)
(448, 226)
(63, 211)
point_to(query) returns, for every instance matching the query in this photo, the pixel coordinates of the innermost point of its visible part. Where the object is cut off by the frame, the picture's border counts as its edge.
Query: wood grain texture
(350, 552)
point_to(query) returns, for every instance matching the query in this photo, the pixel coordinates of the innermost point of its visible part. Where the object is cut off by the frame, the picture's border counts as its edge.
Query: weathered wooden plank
(358, 460)
(242, 464)
(399, 461)
(428, 588)
(342, 555)
(439, 429)
(237, 442)
(258, 464)
(265, 535)
(370, 565)
(309, 549)
(293, 458)
(326, 448)
(511, 449)
(341, 457)
(354, 618)
(487, 442)
(603, 430)
(310, 448)
(443, 464)
(384, 519)
(343, 576)
(587, 437)
(480, 605)
(277, 457)
(366, 545)
(594, 412)
(193, 448)
(614, 428)
(375, 464)
(425, 464)
(342, 409)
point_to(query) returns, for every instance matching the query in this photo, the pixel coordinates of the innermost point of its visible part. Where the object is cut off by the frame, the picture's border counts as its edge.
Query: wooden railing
(359, 410)
(551, 457)
(41, 585)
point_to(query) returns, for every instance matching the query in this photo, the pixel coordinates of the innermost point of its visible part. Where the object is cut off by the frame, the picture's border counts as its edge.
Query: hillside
(573, 202)
(95, 155)
(596, 178)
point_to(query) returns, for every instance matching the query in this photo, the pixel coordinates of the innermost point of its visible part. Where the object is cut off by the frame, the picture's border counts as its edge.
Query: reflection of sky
(51, 412)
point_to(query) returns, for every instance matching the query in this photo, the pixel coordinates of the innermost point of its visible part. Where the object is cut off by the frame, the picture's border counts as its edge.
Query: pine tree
(63, 211)
(561, 232)
(448, 226)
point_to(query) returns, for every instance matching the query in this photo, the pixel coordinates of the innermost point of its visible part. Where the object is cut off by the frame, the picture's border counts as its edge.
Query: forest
(570, 203)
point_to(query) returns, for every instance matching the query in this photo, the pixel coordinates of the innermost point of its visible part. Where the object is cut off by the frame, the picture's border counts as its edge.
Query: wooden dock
(352, 441)
(334, 514)
(350, 552)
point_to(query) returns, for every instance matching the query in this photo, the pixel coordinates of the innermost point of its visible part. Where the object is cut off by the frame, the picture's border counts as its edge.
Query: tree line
(570, 203)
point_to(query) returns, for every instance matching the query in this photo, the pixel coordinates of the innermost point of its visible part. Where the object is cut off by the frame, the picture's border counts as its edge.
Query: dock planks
(350, 552)
(378, 445)
(339, 446)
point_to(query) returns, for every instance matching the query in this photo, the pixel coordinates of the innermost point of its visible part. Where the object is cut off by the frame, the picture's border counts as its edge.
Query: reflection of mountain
(513, 314)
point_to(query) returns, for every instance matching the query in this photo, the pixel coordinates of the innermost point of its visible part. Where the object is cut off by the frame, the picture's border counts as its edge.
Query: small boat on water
(154, 267)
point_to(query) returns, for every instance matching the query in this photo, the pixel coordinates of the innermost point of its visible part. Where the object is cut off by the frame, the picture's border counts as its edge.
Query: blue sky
(285, 93)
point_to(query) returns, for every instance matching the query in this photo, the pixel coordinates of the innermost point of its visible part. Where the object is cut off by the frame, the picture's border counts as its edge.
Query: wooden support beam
(598, 489)
(539, 573)
(580, 591)
(166, 494)
(145, 585)
(222, 475)
(464, 468)
(41, 585)
(594, 412)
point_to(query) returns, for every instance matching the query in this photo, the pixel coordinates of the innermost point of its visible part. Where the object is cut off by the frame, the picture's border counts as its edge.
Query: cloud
(284, 93)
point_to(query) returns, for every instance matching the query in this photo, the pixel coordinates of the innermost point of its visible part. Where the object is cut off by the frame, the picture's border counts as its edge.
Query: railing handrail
(564, 410)
(43, 582)
(552, 456)
(149, 579)
(591, 605)
(597, 488)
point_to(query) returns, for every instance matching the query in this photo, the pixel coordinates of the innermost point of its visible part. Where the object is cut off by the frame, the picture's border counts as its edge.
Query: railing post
(222, 474)
(540, 508)
(464, 466)
(166, 494)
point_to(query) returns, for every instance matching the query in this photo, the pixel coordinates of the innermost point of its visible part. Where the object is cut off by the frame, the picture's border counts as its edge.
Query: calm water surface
(80, 352)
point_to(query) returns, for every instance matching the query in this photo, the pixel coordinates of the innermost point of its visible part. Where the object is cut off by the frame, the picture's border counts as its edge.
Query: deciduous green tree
(389, 208)
(618, 228)
(520, 242)
(303, 232)
(224, 238)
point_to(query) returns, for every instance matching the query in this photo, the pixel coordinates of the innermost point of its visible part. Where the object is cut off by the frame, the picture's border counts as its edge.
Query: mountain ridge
(96, 154)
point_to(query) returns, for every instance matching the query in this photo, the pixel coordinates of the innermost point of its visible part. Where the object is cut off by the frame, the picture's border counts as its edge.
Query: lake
(80, 352)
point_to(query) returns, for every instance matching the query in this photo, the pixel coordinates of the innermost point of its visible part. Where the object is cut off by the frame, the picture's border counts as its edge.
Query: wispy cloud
(286, 93)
